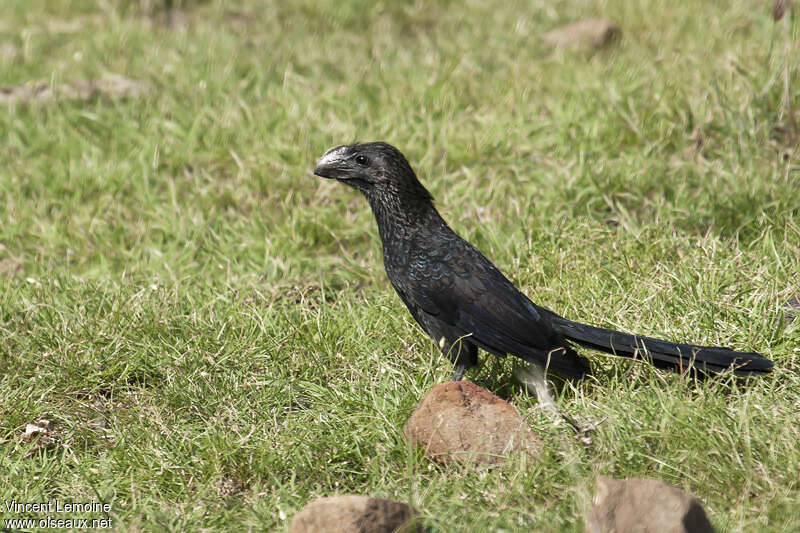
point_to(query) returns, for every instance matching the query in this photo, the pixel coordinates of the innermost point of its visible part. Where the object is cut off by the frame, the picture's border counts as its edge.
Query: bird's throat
(402, 216)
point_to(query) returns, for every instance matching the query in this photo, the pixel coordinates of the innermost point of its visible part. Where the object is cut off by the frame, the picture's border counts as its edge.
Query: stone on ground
(354, 514)
(644, 506)
(459, 421)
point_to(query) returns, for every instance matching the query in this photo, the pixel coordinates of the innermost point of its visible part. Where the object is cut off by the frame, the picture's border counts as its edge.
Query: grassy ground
(208, 327)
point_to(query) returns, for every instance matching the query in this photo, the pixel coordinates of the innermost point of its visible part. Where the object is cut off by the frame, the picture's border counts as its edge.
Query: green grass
(209, 328)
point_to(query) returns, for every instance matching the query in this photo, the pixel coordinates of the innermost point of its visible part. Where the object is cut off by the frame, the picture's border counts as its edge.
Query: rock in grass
(354, 514)
(458, 421)
(644, 506)
(589, 33)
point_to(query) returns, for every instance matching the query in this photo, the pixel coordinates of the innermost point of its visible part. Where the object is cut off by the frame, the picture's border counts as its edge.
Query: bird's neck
(403, 216)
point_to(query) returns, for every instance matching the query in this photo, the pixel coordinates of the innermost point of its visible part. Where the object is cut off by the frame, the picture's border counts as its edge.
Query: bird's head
(372, 168)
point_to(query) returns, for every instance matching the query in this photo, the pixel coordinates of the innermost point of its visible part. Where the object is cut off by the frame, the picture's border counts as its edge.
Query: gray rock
(458, 421)
(644, 506)
(354, 514)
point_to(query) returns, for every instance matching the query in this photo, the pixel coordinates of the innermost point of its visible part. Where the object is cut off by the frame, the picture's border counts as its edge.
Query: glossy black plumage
(463, 301)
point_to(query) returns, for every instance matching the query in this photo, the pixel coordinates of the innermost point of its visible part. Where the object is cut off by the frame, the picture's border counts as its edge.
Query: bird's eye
(362, 160)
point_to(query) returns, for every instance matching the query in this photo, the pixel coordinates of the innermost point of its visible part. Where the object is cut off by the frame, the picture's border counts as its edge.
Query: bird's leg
(458, 373)
(463, 354)
(533, 377)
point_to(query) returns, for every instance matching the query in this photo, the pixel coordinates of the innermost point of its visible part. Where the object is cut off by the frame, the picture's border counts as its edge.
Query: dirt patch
(230, 486)
(40, 436)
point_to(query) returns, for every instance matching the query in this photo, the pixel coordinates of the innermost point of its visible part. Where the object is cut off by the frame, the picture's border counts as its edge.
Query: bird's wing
(472, 296)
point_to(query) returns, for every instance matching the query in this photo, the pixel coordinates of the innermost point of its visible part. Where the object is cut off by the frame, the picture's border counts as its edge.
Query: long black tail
(663, 354)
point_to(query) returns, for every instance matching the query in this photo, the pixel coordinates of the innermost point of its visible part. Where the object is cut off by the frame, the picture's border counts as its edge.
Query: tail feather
(664, 354)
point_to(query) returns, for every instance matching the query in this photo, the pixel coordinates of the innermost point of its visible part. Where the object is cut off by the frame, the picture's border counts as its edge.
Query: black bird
(464, 302)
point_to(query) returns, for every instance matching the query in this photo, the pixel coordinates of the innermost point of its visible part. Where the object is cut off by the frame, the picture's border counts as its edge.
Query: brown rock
(589, 33)
(354, 514)
(644, 506)
(460, 421)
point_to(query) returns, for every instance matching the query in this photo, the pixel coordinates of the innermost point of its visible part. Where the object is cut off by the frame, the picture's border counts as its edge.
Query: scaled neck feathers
(401, 206)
